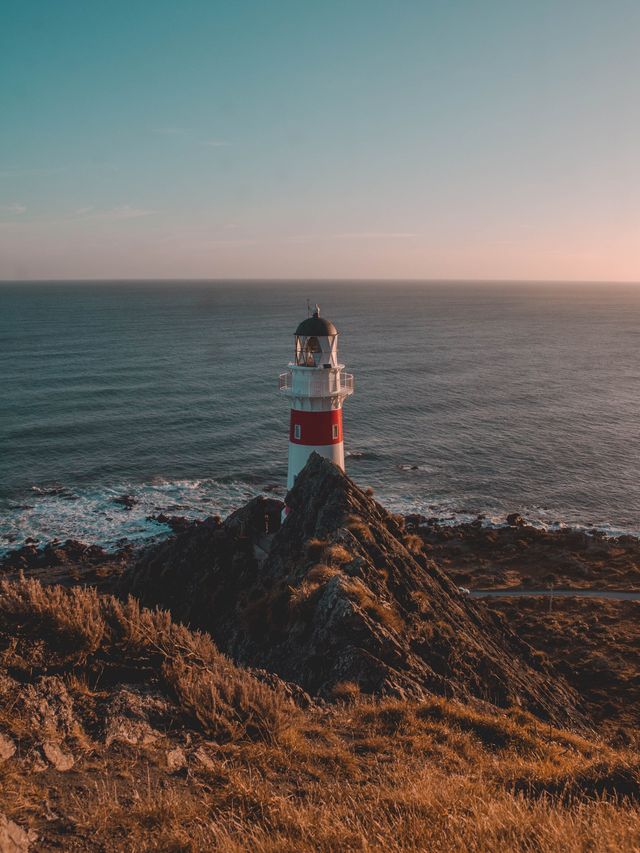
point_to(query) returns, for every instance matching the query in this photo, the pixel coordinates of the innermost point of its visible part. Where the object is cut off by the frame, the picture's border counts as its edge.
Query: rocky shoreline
(520, 555)
(516, 555)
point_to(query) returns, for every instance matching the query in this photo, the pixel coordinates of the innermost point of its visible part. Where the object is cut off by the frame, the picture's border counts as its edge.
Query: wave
(361, 454)
(100, 516)
(96, 515)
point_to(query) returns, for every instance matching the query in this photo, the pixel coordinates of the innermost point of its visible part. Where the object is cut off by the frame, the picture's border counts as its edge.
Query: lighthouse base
(299, 453)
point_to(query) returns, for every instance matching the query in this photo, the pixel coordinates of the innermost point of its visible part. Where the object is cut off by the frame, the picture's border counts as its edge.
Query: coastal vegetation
(122, 730)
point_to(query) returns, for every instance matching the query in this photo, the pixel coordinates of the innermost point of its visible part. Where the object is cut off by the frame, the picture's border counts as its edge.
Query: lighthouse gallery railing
(343, 382)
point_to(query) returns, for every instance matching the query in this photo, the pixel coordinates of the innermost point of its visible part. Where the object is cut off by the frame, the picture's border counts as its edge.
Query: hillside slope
(120, 730)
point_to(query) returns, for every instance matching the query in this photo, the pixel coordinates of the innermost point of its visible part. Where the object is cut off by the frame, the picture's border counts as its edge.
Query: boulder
(59, 759)
(7, 748)
(13, 838)
(176, 759)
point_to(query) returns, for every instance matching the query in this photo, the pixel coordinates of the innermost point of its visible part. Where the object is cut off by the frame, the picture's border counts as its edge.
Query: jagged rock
(178, 523)
(13, 838)
(202, 757)
(132, 715)
(206, 566)
(38, 764)
(514, 519)
(340, 597)
(7, 748)
(67, 562)
(176, 760)
(126, 501)
(55, 756)
(48, 707)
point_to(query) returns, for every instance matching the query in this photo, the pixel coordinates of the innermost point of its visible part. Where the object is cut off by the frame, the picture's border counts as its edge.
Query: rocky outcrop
(520, 555)
(67, 563)
(342, 594)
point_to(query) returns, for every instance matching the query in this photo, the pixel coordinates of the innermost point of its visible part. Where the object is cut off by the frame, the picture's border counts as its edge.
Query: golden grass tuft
(346, 691)
(90, 630)
(338, 554)
(321, 573)
(379, 610)
(413, 543)
(315, 548)
(359, 528)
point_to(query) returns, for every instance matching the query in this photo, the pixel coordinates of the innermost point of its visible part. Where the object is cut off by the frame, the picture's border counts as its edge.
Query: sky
(435, 139)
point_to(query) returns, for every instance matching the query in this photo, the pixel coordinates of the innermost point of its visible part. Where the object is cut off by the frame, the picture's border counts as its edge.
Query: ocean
(470, 399)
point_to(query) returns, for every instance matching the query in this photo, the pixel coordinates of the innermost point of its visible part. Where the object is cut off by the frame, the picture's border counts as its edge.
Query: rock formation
(341, 597)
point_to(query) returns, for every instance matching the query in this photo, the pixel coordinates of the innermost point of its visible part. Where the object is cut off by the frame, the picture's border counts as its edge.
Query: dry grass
(375, 776)
(379, 610)
(413, 543)
(595, 644)
(363, 775)
(338, 554)
(321, 573)
(82, 631)
(315, 548)
(359, 528)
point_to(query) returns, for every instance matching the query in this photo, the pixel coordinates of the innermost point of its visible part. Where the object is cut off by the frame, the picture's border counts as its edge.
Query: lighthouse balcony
(335, 384)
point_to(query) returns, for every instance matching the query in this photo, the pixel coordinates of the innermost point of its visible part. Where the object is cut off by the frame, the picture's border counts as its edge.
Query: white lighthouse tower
(316, 384)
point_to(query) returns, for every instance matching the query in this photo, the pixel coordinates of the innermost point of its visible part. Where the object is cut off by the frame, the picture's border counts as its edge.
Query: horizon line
(298, 280)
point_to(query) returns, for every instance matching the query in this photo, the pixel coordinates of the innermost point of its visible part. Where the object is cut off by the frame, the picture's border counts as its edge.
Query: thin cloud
(28, 173)
(215, 143)
(374, 235)
(123, 211)
(87, 214)
(57, 170)
(355, 235)
(170, 131)
(14, 209)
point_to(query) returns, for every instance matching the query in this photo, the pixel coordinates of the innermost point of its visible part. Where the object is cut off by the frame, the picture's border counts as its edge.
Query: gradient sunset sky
(474, 139)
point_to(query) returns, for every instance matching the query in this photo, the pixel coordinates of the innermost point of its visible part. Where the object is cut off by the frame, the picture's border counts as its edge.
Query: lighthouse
(316, 384)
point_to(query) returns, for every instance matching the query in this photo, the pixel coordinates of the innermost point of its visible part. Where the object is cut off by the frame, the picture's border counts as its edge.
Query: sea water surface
(469, 399)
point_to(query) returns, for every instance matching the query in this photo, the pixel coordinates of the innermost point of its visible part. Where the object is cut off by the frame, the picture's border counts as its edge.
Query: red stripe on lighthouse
(316, 428)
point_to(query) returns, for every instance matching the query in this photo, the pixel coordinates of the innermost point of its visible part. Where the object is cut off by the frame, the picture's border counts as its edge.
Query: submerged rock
(126, 501)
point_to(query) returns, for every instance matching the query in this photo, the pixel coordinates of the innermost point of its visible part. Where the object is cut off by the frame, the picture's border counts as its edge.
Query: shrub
(228, 707)
(67, 617)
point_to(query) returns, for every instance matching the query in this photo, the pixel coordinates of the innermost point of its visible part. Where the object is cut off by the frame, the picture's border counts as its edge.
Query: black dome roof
(316, 326)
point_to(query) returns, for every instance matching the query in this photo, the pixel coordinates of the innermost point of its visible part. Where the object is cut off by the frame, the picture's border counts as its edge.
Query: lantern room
(316, 342)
